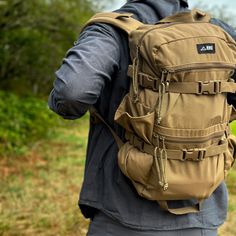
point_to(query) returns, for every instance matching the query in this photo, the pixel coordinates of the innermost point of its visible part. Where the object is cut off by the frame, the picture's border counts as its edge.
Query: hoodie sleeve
(87, 66)
(230, 30)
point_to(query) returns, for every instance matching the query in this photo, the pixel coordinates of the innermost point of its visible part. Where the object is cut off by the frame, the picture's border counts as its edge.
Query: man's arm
(85, 69)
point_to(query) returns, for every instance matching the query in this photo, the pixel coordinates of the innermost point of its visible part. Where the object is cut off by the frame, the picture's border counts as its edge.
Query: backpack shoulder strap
(194, 15)
(94, 113)
(120, 20)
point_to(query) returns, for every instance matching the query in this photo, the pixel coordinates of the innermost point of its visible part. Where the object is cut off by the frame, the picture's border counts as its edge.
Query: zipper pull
(163, 75)
(168, 77)
(135, 75)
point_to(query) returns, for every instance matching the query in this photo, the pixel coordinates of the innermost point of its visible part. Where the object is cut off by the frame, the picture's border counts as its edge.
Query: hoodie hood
(151, 11)
(184, 2)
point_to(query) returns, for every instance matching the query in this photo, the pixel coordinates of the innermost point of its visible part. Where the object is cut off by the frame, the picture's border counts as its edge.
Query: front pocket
(135, 118)
(186, 179)
(135, 164)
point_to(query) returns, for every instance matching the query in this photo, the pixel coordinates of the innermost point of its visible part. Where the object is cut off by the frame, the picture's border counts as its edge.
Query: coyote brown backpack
(176, 116)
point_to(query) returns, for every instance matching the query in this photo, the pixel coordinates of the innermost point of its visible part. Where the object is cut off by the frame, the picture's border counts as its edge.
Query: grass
(39, 191)
(228, 228)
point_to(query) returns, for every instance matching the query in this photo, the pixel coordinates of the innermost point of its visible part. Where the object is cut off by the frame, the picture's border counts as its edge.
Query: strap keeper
(156, 84)
(217, 87)
(141, 79)
(136, 141)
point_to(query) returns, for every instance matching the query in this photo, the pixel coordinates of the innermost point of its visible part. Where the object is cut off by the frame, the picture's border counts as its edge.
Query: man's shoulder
(229, 29)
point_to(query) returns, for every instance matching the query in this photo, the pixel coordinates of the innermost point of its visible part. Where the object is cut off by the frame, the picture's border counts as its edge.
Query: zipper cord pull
(163, 163)
(157, 165)
(166, 185)
(160, 164)
(135, 75)
(161, 92)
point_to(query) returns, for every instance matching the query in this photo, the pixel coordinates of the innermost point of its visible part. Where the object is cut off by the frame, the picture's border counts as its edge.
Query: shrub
(24, 120)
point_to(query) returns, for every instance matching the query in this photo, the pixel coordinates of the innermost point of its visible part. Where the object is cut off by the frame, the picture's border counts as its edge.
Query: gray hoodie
(94, 72)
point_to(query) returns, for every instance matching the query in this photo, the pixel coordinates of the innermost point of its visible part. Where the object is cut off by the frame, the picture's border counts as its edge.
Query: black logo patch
(206, 48)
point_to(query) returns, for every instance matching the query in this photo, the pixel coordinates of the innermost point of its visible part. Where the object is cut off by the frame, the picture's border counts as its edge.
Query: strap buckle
(195, 154)
(209, 87)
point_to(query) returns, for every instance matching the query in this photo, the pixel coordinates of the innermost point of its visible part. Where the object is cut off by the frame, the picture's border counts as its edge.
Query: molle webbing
(120, 20)
(199, 87)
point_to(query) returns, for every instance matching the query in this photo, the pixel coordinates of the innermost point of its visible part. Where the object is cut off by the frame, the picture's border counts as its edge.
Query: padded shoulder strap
(188, 16)
(120, 20)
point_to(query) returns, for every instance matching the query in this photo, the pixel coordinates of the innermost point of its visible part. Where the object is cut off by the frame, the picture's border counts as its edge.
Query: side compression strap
(183, 210)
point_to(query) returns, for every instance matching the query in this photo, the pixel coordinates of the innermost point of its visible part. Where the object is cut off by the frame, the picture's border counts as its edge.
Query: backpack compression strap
(120, 20)
(183, 210)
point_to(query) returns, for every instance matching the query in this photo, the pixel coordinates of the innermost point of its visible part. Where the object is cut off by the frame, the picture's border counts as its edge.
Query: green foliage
(34, 38)
(23, 121)
(233, 127)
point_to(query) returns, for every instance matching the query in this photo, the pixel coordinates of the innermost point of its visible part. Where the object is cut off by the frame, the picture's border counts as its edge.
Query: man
(94, 72)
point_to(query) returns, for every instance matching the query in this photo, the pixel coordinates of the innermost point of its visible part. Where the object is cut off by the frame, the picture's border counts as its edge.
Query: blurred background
(41, 155)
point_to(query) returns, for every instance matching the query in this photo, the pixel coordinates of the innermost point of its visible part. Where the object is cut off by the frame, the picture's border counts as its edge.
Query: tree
(221, 12)
(34, 36)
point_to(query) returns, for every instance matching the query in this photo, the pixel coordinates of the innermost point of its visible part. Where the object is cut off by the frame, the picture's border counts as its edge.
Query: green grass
(233, 127)
(228, 229)
(39, 191)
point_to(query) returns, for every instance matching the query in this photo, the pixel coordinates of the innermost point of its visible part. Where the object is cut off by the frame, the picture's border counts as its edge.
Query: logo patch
(206, 48)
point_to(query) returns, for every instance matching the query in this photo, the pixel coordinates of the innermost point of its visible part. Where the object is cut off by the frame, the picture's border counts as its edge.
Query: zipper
(198, 66)
(165, 25)
(170, 139)
(154, 28)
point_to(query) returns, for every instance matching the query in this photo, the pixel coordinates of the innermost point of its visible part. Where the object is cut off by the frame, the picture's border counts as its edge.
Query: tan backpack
(176, 114)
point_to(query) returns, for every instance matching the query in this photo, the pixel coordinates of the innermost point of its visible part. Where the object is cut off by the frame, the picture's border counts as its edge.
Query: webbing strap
(120, 20)
(198, 87)
(203, 87)
(183, 210)
(195, 154)
(93, 112)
